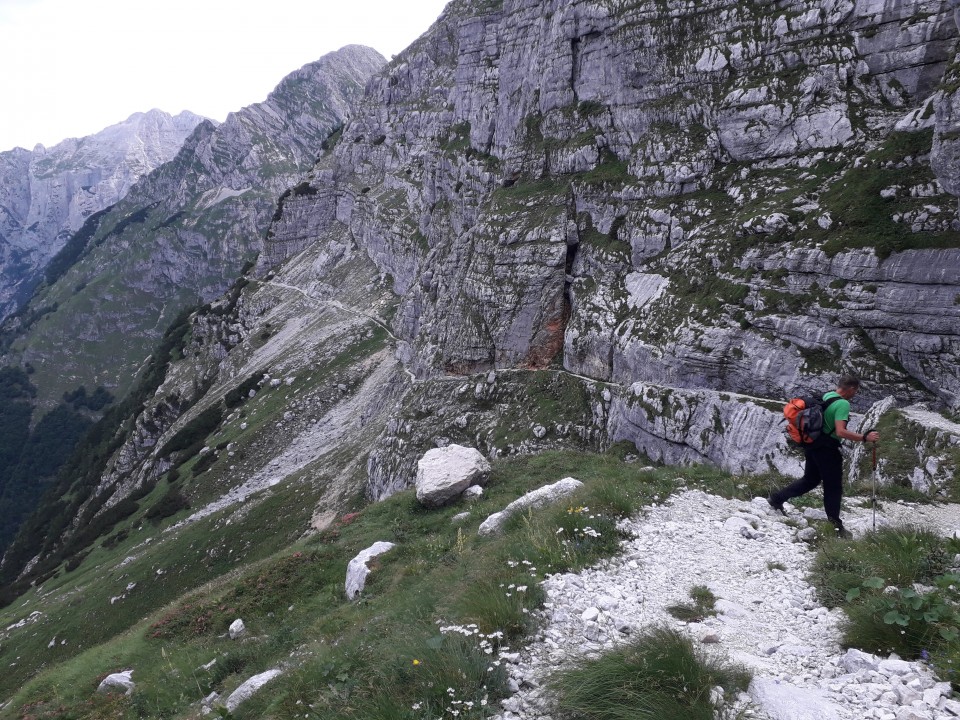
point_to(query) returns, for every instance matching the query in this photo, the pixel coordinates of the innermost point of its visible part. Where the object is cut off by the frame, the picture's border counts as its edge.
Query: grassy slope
(289, 591)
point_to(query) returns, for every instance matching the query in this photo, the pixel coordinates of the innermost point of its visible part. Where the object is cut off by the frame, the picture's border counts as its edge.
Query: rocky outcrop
(251, 687)
(118, 682)
(683, 220)
(675, 426)
(918, 449)
(47, 194)
(358, 570)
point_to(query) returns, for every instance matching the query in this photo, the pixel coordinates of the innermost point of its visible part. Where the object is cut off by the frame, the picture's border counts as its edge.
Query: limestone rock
(250, 687)
(357, 570)
(781, 701)
(118, 682)
(444, 473)
(541, 497)
(237, 629)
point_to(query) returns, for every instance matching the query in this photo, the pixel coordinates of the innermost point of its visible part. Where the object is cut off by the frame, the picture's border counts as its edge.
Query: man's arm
(842, 432)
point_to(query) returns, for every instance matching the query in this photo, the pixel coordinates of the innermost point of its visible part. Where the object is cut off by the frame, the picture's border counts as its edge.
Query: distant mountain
(46, 194)
(181, 234)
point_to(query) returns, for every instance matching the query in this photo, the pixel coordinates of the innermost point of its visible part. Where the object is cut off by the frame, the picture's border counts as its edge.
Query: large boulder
(444, 473)
(541, 497)
(357, 569)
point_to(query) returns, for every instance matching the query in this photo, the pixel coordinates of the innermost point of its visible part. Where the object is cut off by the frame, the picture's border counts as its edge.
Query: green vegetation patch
(900, 453)
(864, 217)
(660, 674)
(897, 592)
(699, 609)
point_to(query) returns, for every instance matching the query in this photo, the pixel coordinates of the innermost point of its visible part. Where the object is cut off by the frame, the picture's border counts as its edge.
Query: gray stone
(854, 660)
(357, 570)
(237, 629)
(541, 497)
(781, 701)
(250, 687)
(444, 473)
(117, 682)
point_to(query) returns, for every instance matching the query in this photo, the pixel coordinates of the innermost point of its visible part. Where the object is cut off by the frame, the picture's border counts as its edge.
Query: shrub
(659, 675)
(878, 581)
(170, 504)
(903, 620)
(194, 431)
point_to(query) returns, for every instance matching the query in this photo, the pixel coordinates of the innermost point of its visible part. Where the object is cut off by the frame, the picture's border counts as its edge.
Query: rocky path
(768, 617)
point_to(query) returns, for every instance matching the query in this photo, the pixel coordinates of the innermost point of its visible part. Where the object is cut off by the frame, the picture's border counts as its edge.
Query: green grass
(659, 675)
(903, 444)
(873, 580)
(345, 659)
(697, 611)
(901, 556)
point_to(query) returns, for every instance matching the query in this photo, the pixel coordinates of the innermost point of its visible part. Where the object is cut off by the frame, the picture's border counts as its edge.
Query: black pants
(824, 465)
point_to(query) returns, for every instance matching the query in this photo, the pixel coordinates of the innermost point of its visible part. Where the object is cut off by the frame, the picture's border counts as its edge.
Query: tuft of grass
(901, 556)
(877, 581)
(658, 676)
(503, 603)
(698, 610)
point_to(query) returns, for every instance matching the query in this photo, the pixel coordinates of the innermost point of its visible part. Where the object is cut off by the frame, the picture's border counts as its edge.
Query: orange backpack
(804, 417)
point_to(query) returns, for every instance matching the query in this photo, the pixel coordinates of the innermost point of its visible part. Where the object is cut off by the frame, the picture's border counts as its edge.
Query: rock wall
(719, 198)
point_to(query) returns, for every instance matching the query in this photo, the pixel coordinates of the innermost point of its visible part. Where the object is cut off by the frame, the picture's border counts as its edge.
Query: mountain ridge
(48, 192)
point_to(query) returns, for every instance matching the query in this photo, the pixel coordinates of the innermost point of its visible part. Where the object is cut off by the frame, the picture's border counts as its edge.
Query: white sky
(70, 68)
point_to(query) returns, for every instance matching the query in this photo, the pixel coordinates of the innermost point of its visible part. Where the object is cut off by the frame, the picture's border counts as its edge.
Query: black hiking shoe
(777, 505)
(842, 532)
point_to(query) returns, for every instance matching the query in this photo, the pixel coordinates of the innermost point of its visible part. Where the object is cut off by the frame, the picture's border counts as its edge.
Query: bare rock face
(738, 216)
(47, 194)
(622, 216)
(677, 426)
(445, 473)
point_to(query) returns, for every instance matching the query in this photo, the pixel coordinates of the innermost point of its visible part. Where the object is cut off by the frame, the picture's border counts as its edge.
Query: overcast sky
(70, 68)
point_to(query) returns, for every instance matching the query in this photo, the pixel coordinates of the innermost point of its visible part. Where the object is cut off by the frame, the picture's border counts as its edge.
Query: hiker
(824, 463)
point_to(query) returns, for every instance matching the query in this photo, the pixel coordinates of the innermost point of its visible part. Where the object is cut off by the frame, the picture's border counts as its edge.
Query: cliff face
(183, 232)
(46, 194)
(738, 196)
(703, 198)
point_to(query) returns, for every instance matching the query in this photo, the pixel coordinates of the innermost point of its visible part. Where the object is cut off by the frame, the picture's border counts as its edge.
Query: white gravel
(770, 619)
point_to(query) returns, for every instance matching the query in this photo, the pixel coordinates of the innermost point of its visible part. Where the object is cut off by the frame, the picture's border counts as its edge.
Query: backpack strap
(824, 405)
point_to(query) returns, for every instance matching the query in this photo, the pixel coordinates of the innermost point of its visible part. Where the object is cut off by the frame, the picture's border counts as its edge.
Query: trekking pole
(874, 496)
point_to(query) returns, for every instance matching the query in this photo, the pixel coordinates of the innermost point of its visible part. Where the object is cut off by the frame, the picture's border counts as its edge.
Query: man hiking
(824, 463)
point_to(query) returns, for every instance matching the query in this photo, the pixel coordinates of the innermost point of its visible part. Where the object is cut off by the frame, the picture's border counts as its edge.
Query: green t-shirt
(837, 410)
